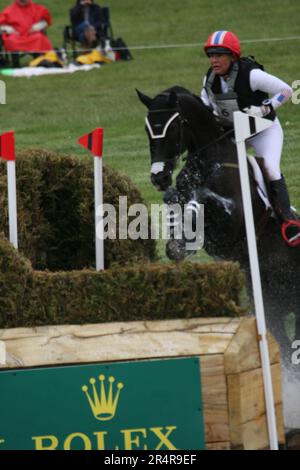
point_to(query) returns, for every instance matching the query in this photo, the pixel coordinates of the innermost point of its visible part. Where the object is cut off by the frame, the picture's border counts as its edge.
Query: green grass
(52, 112)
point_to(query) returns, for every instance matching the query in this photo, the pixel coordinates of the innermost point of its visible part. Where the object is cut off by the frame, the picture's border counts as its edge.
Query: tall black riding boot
(282, 207)
(281, 200)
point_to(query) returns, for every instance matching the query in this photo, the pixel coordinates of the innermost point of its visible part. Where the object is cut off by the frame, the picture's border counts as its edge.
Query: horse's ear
(173, 99)
(146, 100)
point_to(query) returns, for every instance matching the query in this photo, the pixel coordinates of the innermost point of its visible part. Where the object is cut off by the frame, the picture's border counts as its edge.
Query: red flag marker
(7, 146)
(93, 142)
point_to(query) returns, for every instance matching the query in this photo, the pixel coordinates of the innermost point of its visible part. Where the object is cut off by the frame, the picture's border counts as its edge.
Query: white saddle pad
(261, 186)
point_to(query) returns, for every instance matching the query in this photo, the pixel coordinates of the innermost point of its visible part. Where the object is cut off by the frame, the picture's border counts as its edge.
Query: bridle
(161, 131)
(162, 135)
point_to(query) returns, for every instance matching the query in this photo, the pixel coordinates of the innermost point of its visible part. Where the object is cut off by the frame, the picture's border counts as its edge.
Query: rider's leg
(268, 145)
(281, 200)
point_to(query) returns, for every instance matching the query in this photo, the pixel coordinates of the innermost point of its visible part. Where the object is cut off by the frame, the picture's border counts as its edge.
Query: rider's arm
(205, 98)
(279, 90)
(204, 95)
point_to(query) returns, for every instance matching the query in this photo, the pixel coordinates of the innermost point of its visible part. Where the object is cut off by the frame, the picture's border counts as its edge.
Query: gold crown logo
(103, 404)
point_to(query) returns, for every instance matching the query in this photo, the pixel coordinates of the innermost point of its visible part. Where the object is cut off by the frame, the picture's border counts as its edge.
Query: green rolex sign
(144, 405)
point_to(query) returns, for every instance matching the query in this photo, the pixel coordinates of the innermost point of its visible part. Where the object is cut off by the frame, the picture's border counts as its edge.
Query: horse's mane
(177, 89)
(167, 98)
(191, 106)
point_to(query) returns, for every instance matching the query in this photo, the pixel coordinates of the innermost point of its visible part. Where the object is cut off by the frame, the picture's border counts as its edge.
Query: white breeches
(268, 145)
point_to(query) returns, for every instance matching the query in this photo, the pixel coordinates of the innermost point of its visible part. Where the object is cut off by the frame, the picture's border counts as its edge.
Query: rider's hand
(258, 111)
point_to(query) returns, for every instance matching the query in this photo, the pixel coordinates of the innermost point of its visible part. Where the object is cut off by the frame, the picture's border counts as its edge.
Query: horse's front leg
(223, 217)
(185, 222)
(221, 204)
(175, 246)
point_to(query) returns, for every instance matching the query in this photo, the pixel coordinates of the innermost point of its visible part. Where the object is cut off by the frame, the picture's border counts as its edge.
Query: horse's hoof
(175, 250)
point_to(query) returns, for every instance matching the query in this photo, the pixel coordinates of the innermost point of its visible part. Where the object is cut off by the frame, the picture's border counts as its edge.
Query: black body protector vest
(239, 95)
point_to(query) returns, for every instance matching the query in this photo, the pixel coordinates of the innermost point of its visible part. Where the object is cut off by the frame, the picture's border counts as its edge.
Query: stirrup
(293, 240)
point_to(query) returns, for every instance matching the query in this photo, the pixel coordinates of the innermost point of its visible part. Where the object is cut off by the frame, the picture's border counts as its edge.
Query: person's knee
(272, 172)
(80, 31)
(90, 34)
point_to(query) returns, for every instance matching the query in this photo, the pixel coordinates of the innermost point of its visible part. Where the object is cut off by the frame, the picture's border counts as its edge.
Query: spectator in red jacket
(23, 24)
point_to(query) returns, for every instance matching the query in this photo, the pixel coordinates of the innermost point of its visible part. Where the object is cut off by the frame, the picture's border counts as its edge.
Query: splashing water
(290, 358)
(291, 399)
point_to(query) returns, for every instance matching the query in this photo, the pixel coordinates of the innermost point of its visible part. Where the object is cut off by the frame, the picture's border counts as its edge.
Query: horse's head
(165, 128)
(177, 121)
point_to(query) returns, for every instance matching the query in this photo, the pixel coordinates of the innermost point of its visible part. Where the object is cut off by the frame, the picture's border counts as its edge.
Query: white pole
(257, 292)
(12, 202)
(98, 188)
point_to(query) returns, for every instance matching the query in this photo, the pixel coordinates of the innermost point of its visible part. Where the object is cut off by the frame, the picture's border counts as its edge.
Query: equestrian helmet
(223, 42)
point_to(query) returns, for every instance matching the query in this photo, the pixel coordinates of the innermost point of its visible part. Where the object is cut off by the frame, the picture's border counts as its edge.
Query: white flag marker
(244, 127)
(98, 185)
(7, 152)
(94, 142)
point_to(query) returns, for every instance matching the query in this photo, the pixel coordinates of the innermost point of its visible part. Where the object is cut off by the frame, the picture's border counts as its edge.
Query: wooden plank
(117, 341)
(243, 353)
(218, 446)
(216, 324)
(247, 414)
(2, 353)
(214, 395)
(255, 435)
(234, 410)
(252, 392)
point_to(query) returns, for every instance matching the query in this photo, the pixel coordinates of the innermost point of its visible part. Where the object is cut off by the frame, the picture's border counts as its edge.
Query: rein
(213, 142)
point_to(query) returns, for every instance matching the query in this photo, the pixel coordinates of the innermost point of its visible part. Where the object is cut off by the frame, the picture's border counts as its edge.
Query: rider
(233, 83)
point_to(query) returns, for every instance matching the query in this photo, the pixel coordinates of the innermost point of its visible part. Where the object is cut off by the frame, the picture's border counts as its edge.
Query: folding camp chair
(12, 59)
(104, 32)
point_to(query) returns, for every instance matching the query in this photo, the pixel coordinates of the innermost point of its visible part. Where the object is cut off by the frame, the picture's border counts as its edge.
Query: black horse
(179, 122)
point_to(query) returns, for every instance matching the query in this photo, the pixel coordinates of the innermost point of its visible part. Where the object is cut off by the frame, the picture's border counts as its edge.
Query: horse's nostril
(161, 180)
(154, 181)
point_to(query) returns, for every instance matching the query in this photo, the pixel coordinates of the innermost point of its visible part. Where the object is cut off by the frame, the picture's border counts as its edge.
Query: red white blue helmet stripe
(218, 38)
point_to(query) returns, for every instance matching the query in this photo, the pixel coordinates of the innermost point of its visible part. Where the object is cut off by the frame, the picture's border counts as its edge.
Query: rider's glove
(260, 111)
